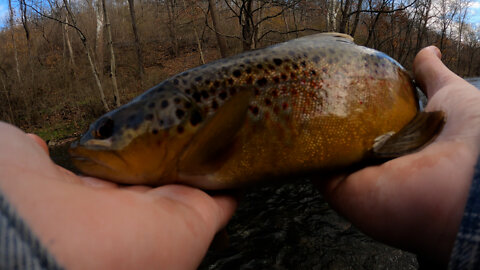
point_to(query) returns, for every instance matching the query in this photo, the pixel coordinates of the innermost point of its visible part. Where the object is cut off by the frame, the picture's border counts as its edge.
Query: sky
(474, 16)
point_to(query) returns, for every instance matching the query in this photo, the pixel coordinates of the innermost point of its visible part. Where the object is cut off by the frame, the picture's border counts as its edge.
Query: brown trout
(309, 105)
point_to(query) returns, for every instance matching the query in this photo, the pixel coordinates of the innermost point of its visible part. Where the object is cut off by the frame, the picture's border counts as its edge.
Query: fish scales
(310, 104)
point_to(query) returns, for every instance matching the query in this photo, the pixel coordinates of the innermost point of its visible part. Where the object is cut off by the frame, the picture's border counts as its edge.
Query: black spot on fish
(316, 59)
(188, 91)
(155, 131)
(151, 105)
(276, 79)
(216, 84)
(207, 81)
(214, 105)
(180, 113)
(222, 95)
(161, 122)
(149, 117)
(160, 89)
(277, 61)
(259, 66)
(262, 82)
(199, 78)
(271, 67)
(283, 76)
(325, 70)
(212, 90)
(268, 102)
(313, 72)
(293, 75)
(188, 105)
(275, 93)
(303, 64)
(232, 91)
(184, 81)
(205, 94)
(197, 96)
(248, 70)
(176, 100)
(237, 73)
(249, 80)
(180, 129)
(176, 82)
(164, 104)
(195, 118)
(294, 66)
(230, 81)
(254, 110)
(256, 91)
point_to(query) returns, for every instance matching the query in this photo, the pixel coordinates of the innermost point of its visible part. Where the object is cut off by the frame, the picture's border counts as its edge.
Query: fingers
(214, 211)
(38, 141)
(429, 71)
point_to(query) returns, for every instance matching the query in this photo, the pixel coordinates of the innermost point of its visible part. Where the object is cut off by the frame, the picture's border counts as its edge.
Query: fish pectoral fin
(422, 129)
(215, 141)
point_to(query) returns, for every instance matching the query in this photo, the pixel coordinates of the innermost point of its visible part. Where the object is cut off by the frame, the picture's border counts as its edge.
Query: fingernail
(437, 51)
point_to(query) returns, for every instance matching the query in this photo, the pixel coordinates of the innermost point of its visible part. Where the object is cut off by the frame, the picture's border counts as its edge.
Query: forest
(63, 63)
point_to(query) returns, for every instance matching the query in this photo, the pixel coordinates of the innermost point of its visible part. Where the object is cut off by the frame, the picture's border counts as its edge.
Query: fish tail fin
(422, 129)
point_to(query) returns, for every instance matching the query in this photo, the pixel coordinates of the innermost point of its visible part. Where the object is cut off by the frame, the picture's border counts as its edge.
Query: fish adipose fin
(215, 139)
(423, 128)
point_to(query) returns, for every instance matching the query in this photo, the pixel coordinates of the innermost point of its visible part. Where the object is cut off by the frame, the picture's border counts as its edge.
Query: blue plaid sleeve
(466, 251)
(19, 247)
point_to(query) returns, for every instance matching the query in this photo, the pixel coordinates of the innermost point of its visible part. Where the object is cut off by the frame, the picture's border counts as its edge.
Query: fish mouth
(94, 163)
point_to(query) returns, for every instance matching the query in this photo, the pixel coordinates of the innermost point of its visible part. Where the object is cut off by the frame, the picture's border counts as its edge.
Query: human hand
(416, 202)
(87, 223)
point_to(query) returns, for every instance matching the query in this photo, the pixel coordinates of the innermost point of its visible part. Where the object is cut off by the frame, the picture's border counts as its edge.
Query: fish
(310, 105)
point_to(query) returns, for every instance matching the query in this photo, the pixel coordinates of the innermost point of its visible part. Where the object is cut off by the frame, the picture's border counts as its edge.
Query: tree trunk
(199, 44)
(222, 45)
(69, 44)
(113, 65)
(172, 27)
(138, 49)
(98, 48)
(357, 18)
(246, 21)
(345, 11)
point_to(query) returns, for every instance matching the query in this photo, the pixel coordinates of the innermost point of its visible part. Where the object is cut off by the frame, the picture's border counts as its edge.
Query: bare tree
(222, 45)
(83, 38)
(138, 49)
(113, 65)
(172, 25)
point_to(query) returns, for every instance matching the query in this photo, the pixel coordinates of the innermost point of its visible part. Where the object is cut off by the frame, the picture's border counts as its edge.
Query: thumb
(429, 71)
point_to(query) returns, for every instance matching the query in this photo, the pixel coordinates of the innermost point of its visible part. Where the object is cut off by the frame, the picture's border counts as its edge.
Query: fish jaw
(157, 165)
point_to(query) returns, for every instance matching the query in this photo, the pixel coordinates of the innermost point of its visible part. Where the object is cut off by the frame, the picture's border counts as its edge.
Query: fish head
(140, 141)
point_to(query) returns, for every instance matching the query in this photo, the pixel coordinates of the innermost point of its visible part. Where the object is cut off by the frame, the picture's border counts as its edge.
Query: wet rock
(292, 227)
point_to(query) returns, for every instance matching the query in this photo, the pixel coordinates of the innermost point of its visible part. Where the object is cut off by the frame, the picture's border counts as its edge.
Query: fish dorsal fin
(423, 128)
(214, 140)
(338, 35)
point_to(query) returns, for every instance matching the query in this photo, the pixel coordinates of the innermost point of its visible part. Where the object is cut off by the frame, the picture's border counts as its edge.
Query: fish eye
(104, 129)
